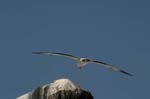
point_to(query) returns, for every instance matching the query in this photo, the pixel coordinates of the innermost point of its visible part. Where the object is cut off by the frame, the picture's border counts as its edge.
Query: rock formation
(59, 89)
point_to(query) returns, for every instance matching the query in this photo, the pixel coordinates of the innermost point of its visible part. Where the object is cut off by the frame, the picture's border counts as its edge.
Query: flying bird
(81, 62)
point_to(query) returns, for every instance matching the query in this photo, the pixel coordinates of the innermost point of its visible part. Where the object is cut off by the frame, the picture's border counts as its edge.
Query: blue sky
(116, 32)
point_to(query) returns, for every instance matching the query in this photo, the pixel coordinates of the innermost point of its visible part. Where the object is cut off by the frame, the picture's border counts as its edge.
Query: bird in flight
(81, 62)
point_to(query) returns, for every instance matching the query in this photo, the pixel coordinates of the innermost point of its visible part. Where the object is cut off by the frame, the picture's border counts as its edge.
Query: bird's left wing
(112, 67)
(57, 54)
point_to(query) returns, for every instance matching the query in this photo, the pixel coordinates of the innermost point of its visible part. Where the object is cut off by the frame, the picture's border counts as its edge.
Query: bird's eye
(83, 60)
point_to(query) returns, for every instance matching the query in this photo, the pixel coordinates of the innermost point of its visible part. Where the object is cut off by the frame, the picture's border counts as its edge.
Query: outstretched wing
(57, 54)
(112, 67)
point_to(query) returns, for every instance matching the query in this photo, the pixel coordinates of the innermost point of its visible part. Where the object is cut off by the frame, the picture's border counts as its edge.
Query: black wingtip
(126, 73)
(37, 52)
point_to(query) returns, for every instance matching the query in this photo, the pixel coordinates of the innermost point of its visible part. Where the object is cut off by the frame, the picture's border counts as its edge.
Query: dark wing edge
(66, 55)
(59, 54)
(112, 67)
(122, 71)
(38, 52)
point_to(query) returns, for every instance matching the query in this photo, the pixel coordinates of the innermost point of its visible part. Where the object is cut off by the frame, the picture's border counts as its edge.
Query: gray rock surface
(59, 89)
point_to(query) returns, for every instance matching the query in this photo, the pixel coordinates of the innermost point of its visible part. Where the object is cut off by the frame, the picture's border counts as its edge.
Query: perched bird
(81, 62)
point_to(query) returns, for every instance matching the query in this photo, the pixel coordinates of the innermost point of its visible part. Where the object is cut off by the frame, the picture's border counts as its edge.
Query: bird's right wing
(58, 54)
(112, 67)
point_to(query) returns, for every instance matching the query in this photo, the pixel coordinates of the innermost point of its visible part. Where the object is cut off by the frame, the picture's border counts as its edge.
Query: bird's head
(84, 60)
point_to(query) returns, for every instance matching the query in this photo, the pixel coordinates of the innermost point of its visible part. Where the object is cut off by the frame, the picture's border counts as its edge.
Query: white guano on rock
(59, 85)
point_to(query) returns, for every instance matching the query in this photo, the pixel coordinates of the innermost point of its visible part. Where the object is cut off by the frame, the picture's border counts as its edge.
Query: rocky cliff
(59, 89)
